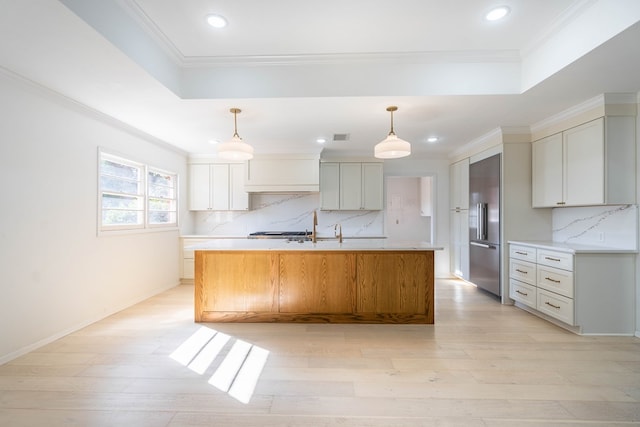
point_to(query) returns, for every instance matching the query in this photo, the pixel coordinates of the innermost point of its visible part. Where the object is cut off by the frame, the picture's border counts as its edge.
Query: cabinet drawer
(523, 271)
(522, 252)
(555, 280)
(556, 306)
(522, 292)
(555, 259)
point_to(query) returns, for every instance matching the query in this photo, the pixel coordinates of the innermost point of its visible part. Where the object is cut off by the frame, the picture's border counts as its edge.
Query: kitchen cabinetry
(293, 285)
(459, 218)
(187, 267)
(351, 186)
(590, 164)
(459, 189)
(283, 173)
(218, 186)
(590, 293)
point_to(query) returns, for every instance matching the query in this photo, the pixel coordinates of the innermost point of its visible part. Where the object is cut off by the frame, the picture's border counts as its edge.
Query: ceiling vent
(340, 136)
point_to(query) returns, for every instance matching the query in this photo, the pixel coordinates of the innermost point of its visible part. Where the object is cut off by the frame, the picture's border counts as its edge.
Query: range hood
(284, 173)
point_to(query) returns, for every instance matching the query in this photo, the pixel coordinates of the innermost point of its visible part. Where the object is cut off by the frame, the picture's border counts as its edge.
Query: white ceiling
(301, 69)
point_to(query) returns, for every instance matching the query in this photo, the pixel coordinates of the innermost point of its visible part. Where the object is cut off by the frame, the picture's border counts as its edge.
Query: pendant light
(392, 147)
(235, 149)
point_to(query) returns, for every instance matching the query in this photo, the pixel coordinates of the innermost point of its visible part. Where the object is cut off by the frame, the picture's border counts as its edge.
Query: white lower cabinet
(187, 258)
(555, 305)
(592, 292)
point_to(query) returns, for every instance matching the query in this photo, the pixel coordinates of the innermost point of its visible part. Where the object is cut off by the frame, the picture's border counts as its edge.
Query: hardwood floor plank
(480, 364)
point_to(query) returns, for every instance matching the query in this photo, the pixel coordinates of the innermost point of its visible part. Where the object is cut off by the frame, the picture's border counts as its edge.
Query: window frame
(144, 185)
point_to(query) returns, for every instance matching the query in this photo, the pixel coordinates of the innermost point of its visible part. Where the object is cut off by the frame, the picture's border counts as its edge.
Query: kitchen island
(355, 281)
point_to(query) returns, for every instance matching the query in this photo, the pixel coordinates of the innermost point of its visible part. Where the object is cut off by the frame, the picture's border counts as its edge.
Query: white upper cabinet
(547, 171)
(459, 181)
(351, 186)
(218, 186)
(330, 186)
(283, 173)
(590, 164)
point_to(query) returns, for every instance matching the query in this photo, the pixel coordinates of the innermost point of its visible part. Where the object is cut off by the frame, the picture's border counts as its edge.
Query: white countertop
(328, 245)
(572, 248)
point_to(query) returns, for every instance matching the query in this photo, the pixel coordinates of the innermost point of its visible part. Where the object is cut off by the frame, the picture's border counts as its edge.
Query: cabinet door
(372, 186)
(547, 166)
(350, 186)
(238, 198)
(322, 282)
(584, 164)
(411, 275)
(329, 186)
(220, 187)
(199, 188)
(459, 190)
(459, 256)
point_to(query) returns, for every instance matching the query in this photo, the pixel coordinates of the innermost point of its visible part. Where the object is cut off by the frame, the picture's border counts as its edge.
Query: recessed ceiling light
(217, 21)
(214, 141)
(497, 13)
(321, 140)
(432, 139)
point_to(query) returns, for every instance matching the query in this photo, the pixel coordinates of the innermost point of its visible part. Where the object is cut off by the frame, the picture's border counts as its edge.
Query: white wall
(403, 220)
(56, 274)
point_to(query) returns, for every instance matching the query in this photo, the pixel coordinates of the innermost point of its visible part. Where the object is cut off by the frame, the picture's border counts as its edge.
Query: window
(135, 196)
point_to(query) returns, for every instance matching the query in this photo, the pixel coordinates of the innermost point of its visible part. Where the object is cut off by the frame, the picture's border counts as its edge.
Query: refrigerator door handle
(481, 229)
(483, 245)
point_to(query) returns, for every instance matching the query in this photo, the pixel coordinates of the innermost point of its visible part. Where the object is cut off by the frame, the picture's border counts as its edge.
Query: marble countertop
(320, 237)
(572, 248)
(322, 244)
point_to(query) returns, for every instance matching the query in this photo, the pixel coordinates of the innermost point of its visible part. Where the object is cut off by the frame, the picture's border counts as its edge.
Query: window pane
(161, 191)
(158, 217)
(157, 178)
(118, 201)
(110, 183)
(162, 205)
(114, 168)
(122, 217)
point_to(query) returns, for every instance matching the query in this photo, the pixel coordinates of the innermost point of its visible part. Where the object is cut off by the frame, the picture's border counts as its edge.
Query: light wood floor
(481, 364)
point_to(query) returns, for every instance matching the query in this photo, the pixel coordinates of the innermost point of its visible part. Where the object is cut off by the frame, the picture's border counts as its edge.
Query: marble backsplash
(608, 226)
(288, 212)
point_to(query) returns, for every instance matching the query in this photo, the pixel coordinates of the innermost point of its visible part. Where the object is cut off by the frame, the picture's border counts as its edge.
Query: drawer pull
(554, 306)
(522, 253)
(521, 271)
(552, 259)
(552, 280)
(522, 293)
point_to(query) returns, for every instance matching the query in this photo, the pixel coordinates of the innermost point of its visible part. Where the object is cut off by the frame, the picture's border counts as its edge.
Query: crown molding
(459, 57)
(588, 105)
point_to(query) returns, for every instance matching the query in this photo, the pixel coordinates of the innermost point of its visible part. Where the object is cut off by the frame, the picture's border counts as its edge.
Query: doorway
(410, 207)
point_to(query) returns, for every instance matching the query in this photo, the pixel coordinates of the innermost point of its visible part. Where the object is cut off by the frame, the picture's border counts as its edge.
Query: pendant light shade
(235, 149)
(392, 147)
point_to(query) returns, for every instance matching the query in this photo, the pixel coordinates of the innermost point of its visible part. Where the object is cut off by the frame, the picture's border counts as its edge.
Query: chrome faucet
(314, 238)
(338, 235)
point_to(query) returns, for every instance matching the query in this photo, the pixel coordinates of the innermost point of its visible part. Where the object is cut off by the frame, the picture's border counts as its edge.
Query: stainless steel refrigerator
(484, 224)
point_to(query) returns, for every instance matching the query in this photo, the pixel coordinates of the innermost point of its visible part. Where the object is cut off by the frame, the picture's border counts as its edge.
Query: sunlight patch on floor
(239, 371)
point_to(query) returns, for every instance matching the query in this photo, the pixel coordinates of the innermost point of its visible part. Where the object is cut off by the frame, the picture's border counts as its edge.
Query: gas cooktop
(280, 235)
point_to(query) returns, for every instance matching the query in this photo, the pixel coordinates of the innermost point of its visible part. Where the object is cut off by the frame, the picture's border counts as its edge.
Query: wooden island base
(314, 286)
